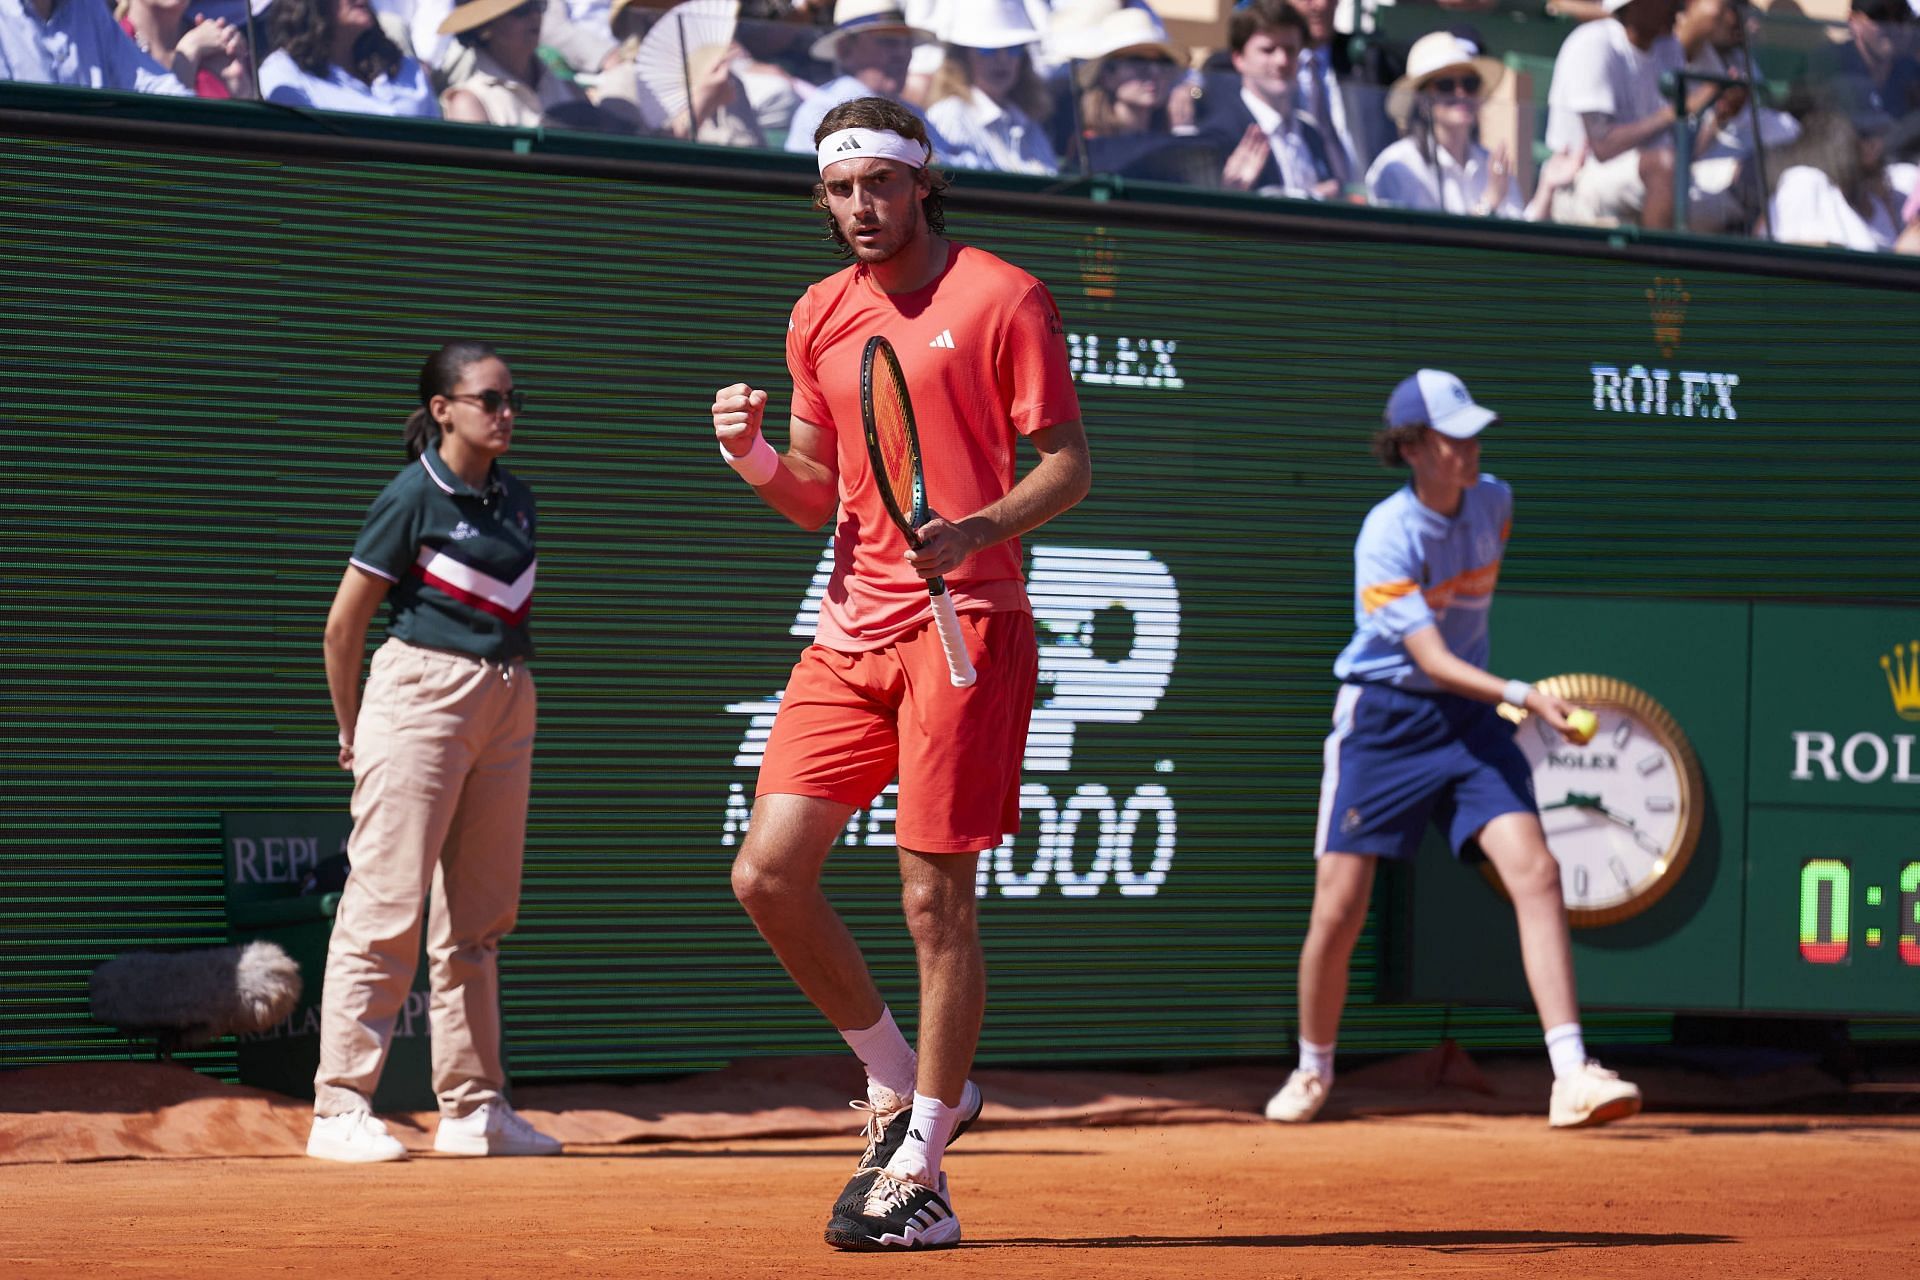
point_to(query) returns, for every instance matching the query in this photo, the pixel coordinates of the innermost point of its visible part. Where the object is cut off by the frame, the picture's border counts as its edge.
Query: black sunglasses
(491, 400)
(1447, 86)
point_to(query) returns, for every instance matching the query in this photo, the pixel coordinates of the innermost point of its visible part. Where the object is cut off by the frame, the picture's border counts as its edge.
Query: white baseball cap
(1437, 399)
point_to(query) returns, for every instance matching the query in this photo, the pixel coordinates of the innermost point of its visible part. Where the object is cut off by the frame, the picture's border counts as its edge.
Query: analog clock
(1622, 814)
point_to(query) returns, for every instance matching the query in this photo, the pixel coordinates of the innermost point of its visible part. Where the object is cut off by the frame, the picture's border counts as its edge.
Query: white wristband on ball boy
(1515, 694)
(759, 464)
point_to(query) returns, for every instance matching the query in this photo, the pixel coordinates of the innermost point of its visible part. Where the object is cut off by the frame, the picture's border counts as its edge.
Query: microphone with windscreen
(184, 999)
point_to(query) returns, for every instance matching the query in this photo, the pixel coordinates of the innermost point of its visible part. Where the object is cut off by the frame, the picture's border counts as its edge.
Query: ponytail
(420, 433)
(438, 377)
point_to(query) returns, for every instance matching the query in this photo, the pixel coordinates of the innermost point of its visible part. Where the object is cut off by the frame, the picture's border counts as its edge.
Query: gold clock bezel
(1594, 691)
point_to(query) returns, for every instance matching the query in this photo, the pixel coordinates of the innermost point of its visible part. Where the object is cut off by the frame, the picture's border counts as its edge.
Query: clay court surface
(1393, 1190)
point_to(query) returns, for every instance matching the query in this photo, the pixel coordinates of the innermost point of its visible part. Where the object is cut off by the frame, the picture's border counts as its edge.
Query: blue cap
(1434, 398)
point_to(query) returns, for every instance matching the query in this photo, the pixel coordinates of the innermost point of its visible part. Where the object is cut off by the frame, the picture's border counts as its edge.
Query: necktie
(1317, 78)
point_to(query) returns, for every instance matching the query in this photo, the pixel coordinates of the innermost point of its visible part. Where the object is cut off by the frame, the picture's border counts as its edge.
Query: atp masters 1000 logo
(1093, 839)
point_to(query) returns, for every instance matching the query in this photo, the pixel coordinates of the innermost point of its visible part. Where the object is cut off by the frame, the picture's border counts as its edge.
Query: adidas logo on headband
(879, 144)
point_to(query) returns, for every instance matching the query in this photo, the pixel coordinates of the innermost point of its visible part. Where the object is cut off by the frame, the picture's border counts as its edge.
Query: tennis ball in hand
(1584, 725)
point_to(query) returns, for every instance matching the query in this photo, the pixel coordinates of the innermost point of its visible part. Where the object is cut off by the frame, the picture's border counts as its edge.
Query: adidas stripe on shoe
(896, 1213)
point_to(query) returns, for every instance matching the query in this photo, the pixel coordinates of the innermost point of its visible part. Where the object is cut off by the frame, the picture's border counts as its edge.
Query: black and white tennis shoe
(896, 1213)
(888, 1116)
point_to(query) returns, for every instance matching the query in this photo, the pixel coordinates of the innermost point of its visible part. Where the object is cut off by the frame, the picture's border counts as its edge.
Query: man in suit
(1271, 146)
(1347, 98)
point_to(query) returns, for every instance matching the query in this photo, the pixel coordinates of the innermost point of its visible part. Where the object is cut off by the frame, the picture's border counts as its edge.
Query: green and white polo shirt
(461, 561)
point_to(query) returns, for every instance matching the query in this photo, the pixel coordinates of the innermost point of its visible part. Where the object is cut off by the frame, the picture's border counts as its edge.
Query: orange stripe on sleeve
(1380, 594)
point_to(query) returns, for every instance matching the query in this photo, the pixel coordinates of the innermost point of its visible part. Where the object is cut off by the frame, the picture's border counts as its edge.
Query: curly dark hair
(881, 113)
(1389, 441)
(304, 30)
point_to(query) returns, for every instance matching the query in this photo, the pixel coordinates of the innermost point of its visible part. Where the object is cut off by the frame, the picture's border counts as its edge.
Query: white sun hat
(1433, 55)
(857, 17)
(1086, 30)
(991, 24)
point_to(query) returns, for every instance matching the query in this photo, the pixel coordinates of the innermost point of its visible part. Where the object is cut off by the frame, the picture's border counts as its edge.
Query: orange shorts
(850, 722)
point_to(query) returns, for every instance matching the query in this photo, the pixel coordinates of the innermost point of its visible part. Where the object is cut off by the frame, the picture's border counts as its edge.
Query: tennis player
(985, 357)
(1416, 739)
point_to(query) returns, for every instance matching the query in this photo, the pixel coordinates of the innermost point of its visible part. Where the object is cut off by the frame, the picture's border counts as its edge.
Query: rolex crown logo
(1903, 679)
(1667, 301)
(1099, 265)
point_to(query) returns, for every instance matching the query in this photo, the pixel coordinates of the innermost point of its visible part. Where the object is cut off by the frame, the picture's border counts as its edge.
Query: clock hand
(1581, 800)
(1642, 838)
(1576, 800)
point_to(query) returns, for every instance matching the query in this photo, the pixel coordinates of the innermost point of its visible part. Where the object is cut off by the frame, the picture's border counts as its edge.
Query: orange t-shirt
(985, 357)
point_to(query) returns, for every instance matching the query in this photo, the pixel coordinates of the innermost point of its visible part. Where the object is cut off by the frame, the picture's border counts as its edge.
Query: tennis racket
(893, 448)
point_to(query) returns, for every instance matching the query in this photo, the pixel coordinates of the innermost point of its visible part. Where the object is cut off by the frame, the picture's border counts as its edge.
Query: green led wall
(209, 357)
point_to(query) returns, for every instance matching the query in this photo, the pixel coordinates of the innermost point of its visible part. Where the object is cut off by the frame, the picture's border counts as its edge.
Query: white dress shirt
(1808, 209)
(79, 44)
(1402, 178)
(983, 134)
(405, 93)
(1299, 175)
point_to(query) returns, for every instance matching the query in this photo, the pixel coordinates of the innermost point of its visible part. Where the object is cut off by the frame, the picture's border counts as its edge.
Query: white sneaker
(1300, 1099)
(1592, 1095)
(353, 1137)
(492, 1129)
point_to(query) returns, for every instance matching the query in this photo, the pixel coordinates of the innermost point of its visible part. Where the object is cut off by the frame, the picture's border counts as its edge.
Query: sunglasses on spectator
(491, 400)
(1448, 86)
(1145, 66)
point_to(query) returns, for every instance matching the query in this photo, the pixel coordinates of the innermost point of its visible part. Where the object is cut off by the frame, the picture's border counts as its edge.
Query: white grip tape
(1515, 694)
(954, 641)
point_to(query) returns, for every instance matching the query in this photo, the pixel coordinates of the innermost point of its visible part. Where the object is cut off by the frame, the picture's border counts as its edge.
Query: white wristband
(759, 464)
(1515, 694)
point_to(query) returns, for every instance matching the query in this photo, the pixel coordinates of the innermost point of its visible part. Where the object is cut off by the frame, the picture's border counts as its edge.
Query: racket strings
(896, 445)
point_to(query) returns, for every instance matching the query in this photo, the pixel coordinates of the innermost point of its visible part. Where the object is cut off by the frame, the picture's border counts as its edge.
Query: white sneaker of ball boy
(491, 1129)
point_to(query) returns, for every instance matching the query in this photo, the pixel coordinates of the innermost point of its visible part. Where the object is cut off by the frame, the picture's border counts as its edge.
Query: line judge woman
(441, 749)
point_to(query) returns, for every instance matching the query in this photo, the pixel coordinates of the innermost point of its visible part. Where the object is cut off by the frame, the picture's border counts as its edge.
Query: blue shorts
(1397, 760)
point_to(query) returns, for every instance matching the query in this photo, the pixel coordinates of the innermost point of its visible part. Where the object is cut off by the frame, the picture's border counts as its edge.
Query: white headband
(863, 144)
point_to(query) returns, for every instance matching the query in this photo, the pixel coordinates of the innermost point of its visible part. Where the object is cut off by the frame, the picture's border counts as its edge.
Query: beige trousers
(442, 759)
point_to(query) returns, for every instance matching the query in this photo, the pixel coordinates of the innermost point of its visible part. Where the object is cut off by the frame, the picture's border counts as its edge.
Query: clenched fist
(736, 417)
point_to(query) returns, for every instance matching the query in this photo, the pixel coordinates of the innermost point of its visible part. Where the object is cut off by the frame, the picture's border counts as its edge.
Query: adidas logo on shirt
(944, 340)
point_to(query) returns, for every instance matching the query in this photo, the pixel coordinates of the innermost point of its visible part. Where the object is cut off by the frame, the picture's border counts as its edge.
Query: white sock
(928, 1133)
(1317, 1058)
(1566, 1049)
(885, 1053)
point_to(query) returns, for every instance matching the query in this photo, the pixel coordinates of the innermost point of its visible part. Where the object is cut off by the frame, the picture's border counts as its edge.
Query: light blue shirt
(982, 134)
(80, 44)
(1415, 568)
(808, 115)
(405, 93)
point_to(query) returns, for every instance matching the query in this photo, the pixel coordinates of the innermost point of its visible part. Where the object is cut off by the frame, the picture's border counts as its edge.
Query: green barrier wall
(210, 354)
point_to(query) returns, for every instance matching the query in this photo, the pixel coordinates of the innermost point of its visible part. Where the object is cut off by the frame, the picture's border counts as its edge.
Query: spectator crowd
(1653, 112)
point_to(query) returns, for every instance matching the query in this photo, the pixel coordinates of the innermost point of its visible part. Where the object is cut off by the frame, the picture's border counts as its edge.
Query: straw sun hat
(1433, 56)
